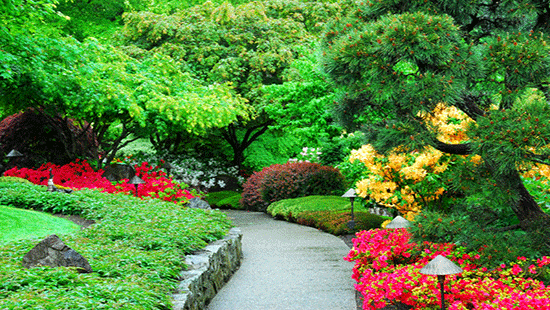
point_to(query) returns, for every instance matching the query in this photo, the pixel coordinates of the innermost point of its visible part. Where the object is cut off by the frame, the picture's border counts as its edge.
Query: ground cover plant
(387, 265)
(328, 213)
(18, 224)
(136, 250)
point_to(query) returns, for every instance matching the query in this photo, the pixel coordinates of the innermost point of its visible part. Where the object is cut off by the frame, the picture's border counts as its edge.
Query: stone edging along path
(208, 270)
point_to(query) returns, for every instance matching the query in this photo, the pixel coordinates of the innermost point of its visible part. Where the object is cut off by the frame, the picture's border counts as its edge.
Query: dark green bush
(328, 213)
(290, 180)
(499, 245)
(224, 200)
(135, 249)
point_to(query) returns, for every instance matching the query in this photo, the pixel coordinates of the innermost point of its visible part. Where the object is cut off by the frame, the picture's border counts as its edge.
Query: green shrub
(135, 249)
(29, 196)
(290, 180)
(224, 200)
(14, 180)
(328, 213)
(501, 246)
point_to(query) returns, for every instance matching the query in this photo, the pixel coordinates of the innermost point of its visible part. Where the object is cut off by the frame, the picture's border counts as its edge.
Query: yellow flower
(386, 222)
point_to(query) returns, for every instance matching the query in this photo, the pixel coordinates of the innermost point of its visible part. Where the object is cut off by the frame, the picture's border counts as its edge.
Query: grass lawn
(16, 224)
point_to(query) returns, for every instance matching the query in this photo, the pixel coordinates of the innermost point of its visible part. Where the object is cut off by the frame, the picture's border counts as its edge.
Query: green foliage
(99, 83)
(14, 180)
(301, 106)
(136, 247)
(224, 200)
(477, 229)
(30, 196)
(18, 224)
(540, 192)
(269, 149)
(250, 45)
(328, 213)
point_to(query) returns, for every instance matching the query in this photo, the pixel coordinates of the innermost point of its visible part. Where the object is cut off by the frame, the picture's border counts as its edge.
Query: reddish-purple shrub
(42, 138)
(290, 180)
(251, 198)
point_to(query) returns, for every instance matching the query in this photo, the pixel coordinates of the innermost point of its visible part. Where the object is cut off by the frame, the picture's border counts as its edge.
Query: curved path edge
(208, 270)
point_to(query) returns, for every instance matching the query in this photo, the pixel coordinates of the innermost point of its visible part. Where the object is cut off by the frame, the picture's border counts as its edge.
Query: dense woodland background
(253, 82)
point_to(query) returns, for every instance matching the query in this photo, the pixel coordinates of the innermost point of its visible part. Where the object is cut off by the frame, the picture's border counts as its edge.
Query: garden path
(287, 267)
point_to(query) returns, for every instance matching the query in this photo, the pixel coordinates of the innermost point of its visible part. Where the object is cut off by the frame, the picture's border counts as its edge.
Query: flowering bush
(79, 174)
(387, 268)
(188, 170)
(308, 154)
(406, 181)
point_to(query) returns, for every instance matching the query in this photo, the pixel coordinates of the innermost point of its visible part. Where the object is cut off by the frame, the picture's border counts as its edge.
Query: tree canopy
(100, 83)
(488, 59)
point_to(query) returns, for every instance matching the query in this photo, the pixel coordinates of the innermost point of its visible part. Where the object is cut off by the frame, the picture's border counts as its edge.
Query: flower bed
(79, 175)
(387, 268)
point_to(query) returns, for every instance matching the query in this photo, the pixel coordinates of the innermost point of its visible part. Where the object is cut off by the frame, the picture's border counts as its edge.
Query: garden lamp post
(398, 222)
(441, 266)
(351, 195)
(136, 181)
(12, 155)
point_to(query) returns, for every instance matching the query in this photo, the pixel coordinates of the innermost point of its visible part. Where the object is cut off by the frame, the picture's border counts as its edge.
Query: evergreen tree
(490, 59)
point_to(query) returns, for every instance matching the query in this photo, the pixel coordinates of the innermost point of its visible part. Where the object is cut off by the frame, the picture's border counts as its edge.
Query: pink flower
(516, 269)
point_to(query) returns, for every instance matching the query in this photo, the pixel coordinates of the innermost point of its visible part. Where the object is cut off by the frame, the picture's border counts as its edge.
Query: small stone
(197, 203)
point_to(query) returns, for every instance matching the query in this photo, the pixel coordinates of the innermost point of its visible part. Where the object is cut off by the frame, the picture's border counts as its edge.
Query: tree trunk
(252, 133)
(525, 207)
(532, 218)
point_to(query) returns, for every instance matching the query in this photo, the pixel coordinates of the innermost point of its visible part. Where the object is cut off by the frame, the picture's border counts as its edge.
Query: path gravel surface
(287, 266)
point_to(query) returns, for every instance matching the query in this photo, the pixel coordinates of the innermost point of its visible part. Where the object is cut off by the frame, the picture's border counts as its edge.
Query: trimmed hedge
(136, 250)
(290, 180)
(224, 200)
(328, 213)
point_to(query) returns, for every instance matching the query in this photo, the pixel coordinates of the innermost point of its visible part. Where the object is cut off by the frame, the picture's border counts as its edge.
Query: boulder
(197, 203)
(53, 252)
(117, 172)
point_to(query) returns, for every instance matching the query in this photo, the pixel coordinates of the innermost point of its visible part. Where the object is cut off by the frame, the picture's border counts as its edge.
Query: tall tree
(249, 45)
(99, 83)
(483, 57)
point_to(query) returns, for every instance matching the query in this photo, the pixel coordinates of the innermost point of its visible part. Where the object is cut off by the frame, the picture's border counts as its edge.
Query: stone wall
(208, 270)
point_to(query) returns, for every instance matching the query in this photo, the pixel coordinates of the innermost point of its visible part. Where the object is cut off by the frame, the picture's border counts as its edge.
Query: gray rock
(53, 252)
(197, 203)
(117, 172)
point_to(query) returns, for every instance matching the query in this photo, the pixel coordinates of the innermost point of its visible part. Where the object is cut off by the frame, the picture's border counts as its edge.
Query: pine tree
(489, 59)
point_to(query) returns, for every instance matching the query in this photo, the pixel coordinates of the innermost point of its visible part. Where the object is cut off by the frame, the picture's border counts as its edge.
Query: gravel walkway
(287, 267)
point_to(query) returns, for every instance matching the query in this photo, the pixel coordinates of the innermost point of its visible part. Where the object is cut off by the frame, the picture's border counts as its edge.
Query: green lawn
(18, 224)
